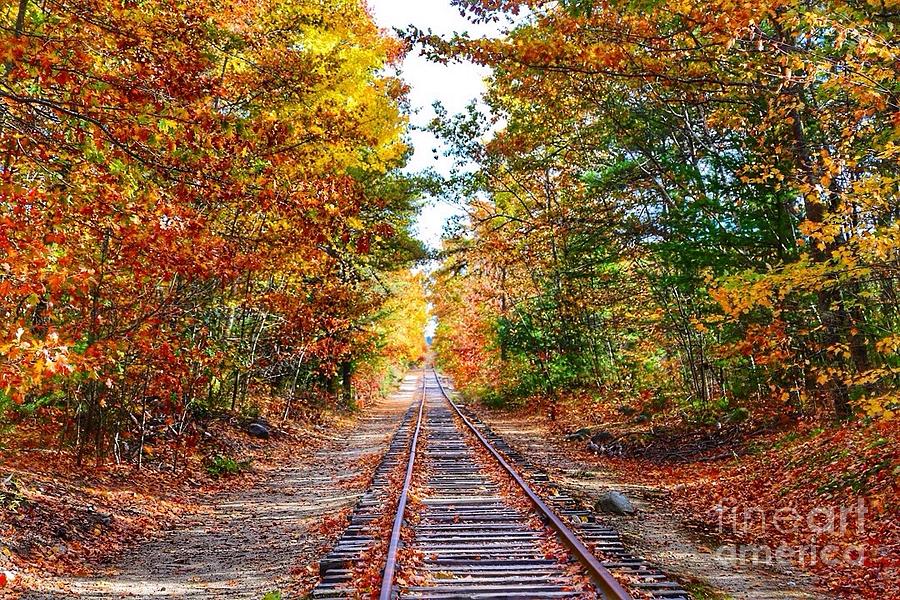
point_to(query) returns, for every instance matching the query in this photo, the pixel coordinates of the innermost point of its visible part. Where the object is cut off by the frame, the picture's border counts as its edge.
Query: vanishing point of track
(466, 537)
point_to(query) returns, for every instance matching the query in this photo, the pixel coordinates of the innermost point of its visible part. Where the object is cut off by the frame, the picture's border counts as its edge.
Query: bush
(219, 465)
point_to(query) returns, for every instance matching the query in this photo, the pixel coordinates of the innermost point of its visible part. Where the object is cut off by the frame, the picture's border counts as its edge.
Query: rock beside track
(258, 430)
(615, 503)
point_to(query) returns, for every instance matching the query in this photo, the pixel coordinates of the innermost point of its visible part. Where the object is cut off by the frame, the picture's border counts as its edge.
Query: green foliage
(220, 465)
(703, 213)
(250, 411)
(701, 590)
(738, 415)
(856, 481)
(5, 402)
(11, 498)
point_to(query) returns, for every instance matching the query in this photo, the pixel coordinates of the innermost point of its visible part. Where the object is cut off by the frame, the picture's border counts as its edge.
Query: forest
(687, 204)
(676, 254)
(201, 207)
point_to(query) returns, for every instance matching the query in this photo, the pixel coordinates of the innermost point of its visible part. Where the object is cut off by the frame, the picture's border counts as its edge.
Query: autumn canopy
(198, 202)
(688, 202)
(676, 262)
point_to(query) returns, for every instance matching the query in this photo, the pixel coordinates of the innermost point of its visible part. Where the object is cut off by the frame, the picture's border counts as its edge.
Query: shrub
(219, 465)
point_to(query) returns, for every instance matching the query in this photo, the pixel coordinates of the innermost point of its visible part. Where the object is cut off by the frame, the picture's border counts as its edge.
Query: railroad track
(475, 519)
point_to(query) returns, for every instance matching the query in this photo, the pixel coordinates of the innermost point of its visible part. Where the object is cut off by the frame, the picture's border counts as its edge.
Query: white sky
(454, 85)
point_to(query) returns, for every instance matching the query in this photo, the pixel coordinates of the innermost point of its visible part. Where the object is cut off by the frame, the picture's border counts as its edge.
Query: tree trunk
(347, 383)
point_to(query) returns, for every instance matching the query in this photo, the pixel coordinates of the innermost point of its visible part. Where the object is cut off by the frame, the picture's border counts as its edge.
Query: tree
(732, 162)
(197, 202)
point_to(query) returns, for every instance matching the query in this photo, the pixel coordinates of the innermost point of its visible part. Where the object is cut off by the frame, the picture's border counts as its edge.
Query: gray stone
(258, 430)
(615, 503)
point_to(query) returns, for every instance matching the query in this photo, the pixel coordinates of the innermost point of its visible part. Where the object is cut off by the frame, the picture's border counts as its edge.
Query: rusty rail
(387, 582)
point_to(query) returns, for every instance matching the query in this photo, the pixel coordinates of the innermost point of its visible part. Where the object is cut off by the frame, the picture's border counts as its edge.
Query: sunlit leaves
(192, 198)
(739, 154)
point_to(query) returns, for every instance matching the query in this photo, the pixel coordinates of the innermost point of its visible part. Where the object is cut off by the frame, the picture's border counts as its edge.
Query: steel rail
(604, 580)
(390, 566)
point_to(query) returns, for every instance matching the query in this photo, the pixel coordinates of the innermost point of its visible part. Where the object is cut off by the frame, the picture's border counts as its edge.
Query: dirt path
(253, 540)
(657, 532)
